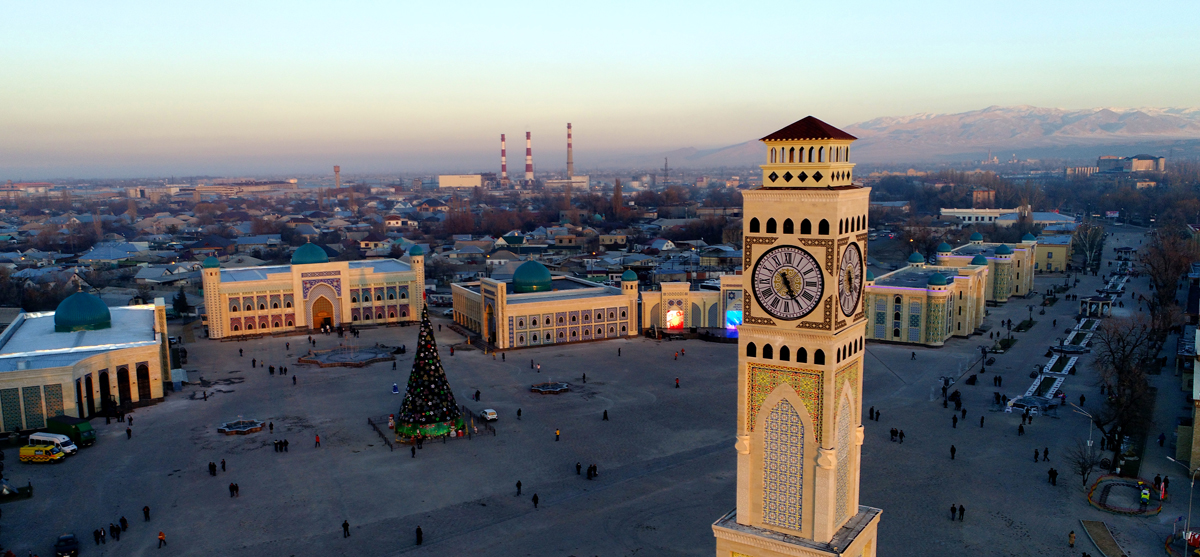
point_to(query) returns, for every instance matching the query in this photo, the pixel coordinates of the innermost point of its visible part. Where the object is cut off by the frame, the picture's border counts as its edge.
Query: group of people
(101, 534)
(592, 471)
(281, 446)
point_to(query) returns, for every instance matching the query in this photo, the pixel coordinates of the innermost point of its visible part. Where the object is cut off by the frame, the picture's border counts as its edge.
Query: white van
(64, 443)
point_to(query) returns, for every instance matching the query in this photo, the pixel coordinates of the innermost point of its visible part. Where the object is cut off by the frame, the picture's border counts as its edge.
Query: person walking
(114, 532)
(871, 414)
(953, 510)
(128, 433)
(1020, 430)
(103, 536)
(1035, 455)
(1053, 477)
(579, 468)
(676, 382)
(231, 489)
(222, 465)
(318, 441)
(239, 352)
(519, 413)
(124, 524)
(605, 418)
(1162, 438)
(162, 539)
(285, 445)
(1071, 539)
(518, 488)
(901, 437)
(961, 511)
(1046, 454)
(952, 451)
(345, 529)
(271, 426)
(414, 451)
(293, 380)
(981, 421)
(877, 412)
(676, 354)
(96, 536)
(954, 421)
(556, 432)
(618, 352)
(146, 513)
(420, 536)
(212, 469)
(914, 356)
(535, 500)
(539, 368)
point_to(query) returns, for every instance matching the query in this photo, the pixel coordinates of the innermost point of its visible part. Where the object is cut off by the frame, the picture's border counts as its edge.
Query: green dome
(870, 276)
(1003, 250)
(979, 260)
(309, 253)
(976, 237)
(211, 263)
(531, 276)
(944, 248)
(597, 218)
(629, 276)
(1028, 238)
(916, 257)
(81, 312)
(937, 280)
(416, 250)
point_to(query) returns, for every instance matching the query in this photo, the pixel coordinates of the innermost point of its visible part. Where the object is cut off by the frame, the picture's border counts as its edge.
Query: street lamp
(1188, 527)
(1079, 410)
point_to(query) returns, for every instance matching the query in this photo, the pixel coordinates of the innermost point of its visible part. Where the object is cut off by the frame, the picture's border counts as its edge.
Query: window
(574, 334)
(235, 327)
(821, 154)
(262, 307)
(379, 297)
(772, 154)
(249, 326)
(1049, 255)
(560, 321)
(770, 226)
(895, 333)
(805, 227)
(249, 307)
(751, 350)
(274, 305)
(823, 227)
(788, 227)
(792, 154)
(275, 324)
(287, 304)
(403, 295)
(819, 357)
(290, 324)
(391, 296)
(768, 352)
(622, 314)
(233, 308)
(784, 354)
(574, 318)
(802, 356)
(392, 314)
(754, 225)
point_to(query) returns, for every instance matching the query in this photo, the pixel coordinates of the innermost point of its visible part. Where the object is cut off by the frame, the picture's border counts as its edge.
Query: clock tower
(799, 428)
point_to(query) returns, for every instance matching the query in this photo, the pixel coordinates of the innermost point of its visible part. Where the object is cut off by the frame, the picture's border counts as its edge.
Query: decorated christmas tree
(429, 408)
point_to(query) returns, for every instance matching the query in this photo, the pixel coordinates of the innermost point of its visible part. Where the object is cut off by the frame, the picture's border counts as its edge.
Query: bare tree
(1124, 354)
(1083, 460)
(1089, 237)
(1167, 256)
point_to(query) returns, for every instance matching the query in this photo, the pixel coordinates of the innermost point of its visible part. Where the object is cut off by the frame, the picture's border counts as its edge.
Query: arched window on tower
(823, 227)
(751, 350)
(788, 227)
(792, 154)
(819, 357)
(821, 154)
(770, 226)
(802, 356)
(768, 352)
(754, 225)
(810, 154)
(805, 227)
(772, 154)
(784, 354)
(800, 155)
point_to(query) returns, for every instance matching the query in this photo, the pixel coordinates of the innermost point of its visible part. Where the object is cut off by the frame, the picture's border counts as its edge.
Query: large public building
(80, 360)
(1010, 268)
(927, 304)
(312, 292)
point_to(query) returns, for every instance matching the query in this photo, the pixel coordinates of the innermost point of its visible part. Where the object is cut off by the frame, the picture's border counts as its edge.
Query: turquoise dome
(629, 276)
(870, 276)
(309, 253)
(1003, 250)
(937, 280)
(597, 218)
(979, 260)
(944, 248)
(416, 250)
(81, 312)
(976, 237)
(1028, 238)
(211, 263)
(531, 276)
(916, 257)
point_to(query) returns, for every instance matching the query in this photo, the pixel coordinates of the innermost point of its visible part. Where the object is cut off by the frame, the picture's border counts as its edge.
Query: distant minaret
(570, 158)
(337, 177)
(503, 162)
(528, 157)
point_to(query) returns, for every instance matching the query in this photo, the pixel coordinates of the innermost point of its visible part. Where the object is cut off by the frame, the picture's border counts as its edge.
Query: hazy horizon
(128, 89)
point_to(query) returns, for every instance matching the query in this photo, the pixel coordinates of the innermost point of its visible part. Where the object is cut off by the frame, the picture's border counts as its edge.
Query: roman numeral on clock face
(788, 283)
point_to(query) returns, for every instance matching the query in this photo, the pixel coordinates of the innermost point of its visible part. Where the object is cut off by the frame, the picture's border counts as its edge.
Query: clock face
(788, 282)
(850, 280)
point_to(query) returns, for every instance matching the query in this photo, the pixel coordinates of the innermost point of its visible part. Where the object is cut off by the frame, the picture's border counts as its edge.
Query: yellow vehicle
(40, 453)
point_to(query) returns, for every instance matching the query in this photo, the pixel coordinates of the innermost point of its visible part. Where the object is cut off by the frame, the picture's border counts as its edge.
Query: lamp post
(1079, 410)
(1188, 527)
(1031, 314)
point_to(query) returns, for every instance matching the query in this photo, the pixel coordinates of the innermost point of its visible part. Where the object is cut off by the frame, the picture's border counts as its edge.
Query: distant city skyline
(222, 88)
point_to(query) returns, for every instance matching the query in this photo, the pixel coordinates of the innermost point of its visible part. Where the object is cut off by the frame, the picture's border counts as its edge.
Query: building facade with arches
(81, 360)
(310, 293)
(925, 304)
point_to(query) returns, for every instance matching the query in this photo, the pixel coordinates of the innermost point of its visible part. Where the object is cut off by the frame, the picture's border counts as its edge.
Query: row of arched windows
(853, 224)
(785, 354)
(789, 227)
(261, 307)
(849, 349)
(814, 154)
(250, 325)
(378, 297)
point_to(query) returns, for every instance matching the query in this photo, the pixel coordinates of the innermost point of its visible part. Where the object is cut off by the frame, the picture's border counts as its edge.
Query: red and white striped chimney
(570, 158)
(503, 161)
(528, 157)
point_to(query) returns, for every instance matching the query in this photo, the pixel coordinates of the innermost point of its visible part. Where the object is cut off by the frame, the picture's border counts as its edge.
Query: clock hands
(787, 285)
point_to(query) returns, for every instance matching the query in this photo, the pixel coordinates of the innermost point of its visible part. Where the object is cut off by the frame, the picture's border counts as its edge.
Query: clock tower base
(854, 539)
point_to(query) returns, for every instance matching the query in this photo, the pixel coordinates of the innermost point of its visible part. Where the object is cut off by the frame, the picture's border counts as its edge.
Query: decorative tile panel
(842, 470)
(308, 284)
(32, 397)
(10, 405)
(783, 467)
(762, 380)
(54, 400)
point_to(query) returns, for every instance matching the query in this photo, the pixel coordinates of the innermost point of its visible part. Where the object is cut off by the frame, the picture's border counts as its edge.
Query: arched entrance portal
(322, 313)
(124, 394)
(90, 394)
(105, 393)
(143, 382)
(490, 334)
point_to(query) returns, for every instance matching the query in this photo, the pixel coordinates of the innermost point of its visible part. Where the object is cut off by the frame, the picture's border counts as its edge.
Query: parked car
(64, 443)
(449, 312)
(488, 415)
(30, 453)
(66, 546)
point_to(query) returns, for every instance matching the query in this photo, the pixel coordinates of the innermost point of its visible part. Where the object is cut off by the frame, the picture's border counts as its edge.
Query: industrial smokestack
(570, 157)
(528, 157)
(503, 161)
(337, 177)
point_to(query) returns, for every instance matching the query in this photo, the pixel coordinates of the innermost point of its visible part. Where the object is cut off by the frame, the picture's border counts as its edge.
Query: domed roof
(1003, 250)
(629, 275)
(596, 217)
(944, 248)
(81, 312)
(979, 260)
(1028, 238)
(976, 237)
(211, 263)
(870, 276)
(309, 253)
(937, 280)
(416, 250)
(916, 257)
(531, 276)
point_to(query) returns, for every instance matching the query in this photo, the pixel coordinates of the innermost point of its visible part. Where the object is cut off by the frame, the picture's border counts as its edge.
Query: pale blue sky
(153, 88)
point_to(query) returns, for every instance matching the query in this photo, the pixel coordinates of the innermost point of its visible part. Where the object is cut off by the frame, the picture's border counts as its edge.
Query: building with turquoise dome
(81, 360)
(312, 292)
(1011, 266)
(924, 304)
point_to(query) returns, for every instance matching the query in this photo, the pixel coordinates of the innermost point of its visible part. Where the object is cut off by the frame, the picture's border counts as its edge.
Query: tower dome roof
(945, 248)
(531, 276)
(309, 253)
(937, 280)
(211, 263)
(81, 312)
(976, 237)
(629, 275)
(979, 260)
(1003, 250)
(916, 257)
(1028, 238)
(870, 276)
(416, 250)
